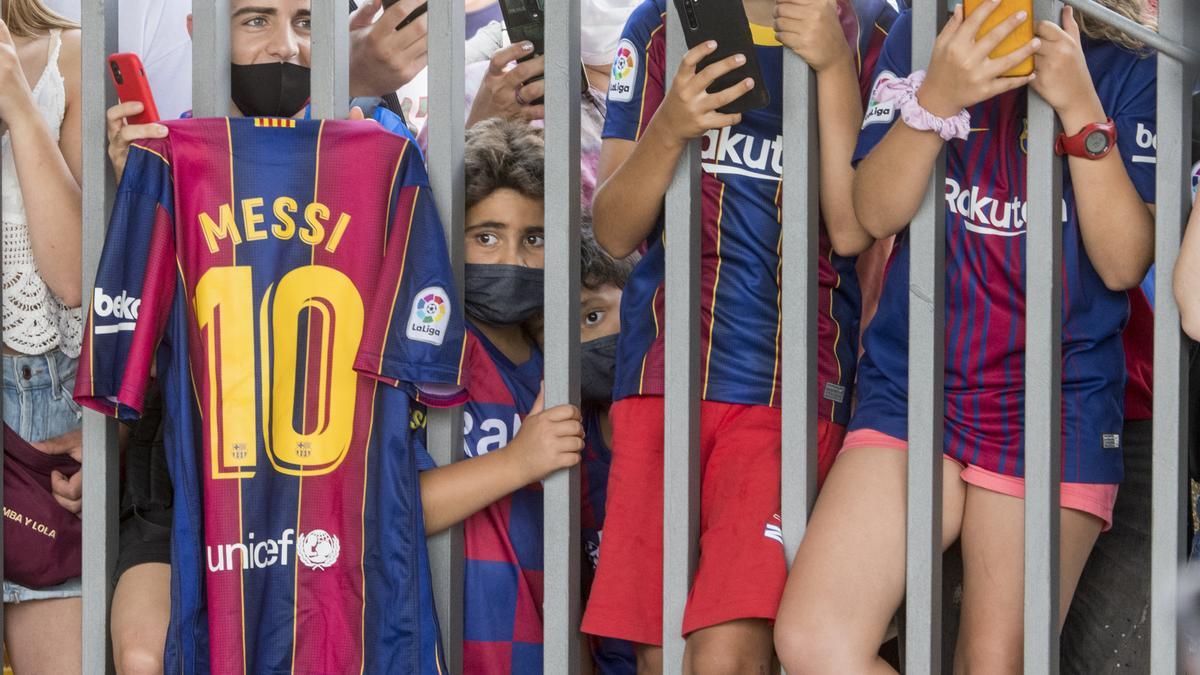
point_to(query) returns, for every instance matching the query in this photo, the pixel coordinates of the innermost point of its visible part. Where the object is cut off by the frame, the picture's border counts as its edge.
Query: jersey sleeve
(636, 84)
(1137, 131)
(414, 333)
(895, 61)
(135, 290)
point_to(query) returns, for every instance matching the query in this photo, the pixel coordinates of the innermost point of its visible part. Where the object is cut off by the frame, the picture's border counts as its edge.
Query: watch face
(1096, 142)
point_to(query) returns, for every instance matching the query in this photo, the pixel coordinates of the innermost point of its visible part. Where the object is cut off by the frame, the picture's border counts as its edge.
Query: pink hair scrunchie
(904, 92)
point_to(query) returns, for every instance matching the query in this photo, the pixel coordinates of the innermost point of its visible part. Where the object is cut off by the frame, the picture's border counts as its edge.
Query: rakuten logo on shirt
(123, 306)
(316, 550)
(986, 215)
(722, 151)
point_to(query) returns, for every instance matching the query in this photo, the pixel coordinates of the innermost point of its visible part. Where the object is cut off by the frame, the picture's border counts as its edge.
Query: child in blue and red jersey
(511, 442)
(650, 120)
(848, 577)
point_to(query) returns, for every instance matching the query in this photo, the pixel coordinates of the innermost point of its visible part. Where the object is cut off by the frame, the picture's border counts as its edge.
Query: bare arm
(1187, 277)
(1117, 227)
(633, 176)
(811, 28)
(549, 440)
(49, 173)
(890, 182)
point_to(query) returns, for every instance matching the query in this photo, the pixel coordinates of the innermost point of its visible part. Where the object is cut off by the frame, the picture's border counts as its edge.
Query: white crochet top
(35, 320)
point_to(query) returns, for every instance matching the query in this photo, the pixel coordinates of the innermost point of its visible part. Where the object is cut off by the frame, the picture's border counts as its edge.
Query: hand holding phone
(129, 78)
(1014, 40)
(726, 24)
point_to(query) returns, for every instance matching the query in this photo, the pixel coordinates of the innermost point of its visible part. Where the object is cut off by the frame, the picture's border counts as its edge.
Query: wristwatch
(1094, 142)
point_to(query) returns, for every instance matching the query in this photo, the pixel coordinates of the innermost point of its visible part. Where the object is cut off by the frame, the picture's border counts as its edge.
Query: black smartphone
(726, 23)
(525, 20)
(412, 16)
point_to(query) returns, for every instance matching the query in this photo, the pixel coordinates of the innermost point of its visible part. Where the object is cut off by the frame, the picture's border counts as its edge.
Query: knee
(815, 649)
(139, 659)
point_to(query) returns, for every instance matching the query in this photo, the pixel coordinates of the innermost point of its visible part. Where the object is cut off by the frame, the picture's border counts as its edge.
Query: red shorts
(742, 570)
(1096, 499)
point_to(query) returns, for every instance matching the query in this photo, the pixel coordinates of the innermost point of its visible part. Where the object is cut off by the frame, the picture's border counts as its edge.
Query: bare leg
(848, 578)
(732, 648)
(991, 631)
(45, 636)
(141, 611)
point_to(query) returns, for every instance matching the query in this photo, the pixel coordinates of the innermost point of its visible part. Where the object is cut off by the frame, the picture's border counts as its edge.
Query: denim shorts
(38, 405)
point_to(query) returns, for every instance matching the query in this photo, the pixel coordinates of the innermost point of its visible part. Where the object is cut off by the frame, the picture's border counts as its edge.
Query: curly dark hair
(504, 154)
(596, 267)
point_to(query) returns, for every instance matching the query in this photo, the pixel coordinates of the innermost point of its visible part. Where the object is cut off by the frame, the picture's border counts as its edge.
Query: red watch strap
(1076, 145)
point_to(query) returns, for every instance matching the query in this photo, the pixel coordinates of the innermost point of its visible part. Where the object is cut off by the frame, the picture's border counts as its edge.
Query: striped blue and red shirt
(741, 189)
(242, 262)
(985, 292)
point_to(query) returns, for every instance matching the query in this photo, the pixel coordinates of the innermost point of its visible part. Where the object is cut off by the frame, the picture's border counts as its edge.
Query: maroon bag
(42, 540)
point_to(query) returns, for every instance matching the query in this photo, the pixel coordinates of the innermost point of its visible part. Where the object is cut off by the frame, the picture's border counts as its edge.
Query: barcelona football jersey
(741, 237)
(986, 223)
(282, 302)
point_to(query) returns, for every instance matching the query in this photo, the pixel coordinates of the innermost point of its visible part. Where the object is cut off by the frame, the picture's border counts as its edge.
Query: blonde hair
(30, 18)
(1134, 10)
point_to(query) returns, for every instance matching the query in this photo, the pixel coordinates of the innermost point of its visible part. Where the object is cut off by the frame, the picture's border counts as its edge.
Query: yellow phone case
(1016, 39)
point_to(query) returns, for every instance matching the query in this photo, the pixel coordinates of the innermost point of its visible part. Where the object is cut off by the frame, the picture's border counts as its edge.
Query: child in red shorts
(742, 570)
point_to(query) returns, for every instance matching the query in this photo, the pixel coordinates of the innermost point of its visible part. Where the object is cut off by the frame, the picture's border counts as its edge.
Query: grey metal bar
(1043, 379)
(561, 546)
(330, 60)
(1178, 20)
(681, 438)
(926, 377)
(447, 118)
(101, 477)
(800, 250)
(1176, 49)
(210, 58)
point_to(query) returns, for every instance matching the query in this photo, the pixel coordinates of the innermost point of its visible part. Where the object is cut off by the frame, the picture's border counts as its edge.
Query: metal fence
(1179, 20)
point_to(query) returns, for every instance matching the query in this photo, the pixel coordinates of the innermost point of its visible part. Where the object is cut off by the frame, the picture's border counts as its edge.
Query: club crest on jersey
(624, 72)
(429, 316)
(880, 112)
(318, 549)
(725, 151)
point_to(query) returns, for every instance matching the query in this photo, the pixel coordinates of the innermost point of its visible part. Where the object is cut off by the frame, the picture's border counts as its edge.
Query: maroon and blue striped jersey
(283, 275)
(741, 188)
(502, 618)
(986, 218)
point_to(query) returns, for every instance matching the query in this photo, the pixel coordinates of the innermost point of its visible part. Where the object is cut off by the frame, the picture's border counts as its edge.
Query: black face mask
(269, 89)
(597, 369)
(503, 295)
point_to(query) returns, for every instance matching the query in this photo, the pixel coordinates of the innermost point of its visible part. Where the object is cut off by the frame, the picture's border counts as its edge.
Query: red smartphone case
(129, 77)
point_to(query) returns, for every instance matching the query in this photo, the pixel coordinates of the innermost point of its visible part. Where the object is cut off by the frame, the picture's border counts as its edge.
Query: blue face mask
(503, 295)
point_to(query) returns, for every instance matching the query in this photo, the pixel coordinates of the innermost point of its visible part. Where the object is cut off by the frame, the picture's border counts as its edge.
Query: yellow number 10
(305, 432)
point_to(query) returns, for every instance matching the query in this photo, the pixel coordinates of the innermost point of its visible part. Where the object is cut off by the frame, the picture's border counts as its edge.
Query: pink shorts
(1096, 499)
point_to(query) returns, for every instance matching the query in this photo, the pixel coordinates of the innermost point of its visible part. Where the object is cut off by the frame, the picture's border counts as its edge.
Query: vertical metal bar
(101, 479)
(561, 543)
(1043, 378)
(447, 117)
(926, 376)
(800, 250)
(681, 486)
(210, 58)
(1178, 20)
(1, 398)
(330, 60)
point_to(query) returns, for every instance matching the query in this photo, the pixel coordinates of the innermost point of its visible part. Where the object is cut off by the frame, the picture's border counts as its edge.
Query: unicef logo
(431, 308)
(318, 549)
